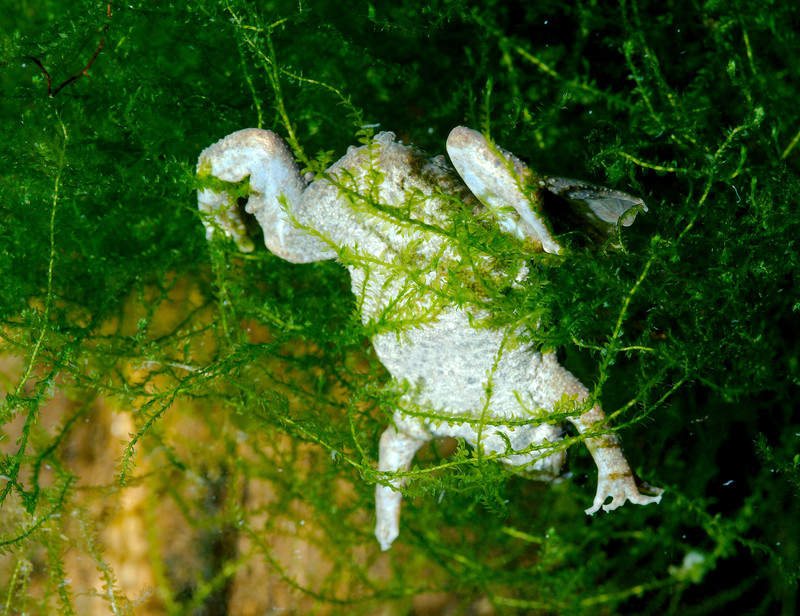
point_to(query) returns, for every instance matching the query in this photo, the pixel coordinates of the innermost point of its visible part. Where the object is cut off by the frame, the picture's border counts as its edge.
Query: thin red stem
(85, 70)
(50, 92)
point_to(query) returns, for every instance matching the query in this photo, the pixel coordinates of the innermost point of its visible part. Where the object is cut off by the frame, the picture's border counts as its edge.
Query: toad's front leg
(397, 449)
(615, 478)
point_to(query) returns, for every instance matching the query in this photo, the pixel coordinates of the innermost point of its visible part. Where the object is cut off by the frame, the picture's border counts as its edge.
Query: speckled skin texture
(385, 211)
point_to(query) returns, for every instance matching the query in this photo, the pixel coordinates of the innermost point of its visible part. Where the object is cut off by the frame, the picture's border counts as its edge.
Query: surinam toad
(416, 235)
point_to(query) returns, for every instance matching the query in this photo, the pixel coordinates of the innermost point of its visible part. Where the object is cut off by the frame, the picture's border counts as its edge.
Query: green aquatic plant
(233, 401)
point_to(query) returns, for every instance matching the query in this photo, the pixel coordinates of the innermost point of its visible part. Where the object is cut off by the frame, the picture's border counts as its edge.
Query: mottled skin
(385, 211)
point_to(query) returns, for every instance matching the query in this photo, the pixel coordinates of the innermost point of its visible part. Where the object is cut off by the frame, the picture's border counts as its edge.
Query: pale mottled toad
(401, 223)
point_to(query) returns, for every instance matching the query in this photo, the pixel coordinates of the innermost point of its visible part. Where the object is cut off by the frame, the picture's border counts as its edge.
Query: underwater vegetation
(187, 429)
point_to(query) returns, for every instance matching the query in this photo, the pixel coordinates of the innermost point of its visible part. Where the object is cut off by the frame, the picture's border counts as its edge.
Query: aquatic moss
(234, 371)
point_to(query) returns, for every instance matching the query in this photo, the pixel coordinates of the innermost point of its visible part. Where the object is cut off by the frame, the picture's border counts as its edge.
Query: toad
(423, 240)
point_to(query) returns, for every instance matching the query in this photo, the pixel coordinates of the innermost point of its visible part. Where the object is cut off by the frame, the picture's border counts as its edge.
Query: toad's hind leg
(500, 180)
(397, 449)
(263, 166)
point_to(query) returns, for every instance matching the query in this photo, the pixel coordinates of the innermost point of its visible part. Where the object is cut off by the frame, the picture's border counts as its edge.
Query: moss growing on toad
(243, 391)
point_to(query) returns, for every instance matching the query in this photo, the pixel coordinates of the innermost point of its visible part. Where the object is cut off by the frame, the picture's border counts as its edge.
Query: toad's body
(389, 214)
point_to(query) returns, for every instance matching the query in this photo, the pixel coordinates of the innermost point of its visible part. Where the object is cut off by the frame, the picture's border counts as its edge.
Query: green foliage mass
(688, 333)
